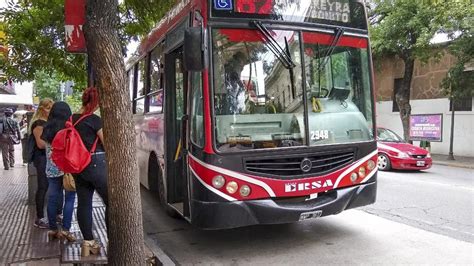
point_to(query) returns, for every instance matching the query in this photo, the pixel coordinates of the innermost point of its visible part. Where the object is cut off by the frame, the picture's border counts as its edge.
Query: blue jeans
(93, 177)
(55, 195)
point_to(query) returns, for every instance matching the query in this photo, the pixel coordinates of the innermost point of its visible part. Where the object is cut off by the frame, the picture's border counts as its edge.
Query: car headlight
(403, 155)
(428, 155)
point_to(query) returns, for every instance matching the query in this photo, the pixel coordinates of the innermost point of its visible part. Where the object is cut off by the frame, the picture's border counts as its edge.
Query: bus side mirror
(195, 49)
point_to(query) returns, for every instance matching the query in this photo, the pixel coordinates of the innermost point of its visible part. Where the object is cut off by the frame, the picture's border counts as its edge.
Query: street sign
(74, 19)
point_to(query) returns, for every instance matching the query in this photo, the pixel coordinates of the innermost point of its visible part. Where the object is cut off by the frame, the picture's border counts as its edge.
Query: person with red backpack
(94, 176)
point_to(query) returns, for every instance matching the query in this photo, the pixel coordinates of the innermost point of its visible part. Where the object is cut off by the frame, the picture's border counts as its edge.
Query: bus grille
(288, 167)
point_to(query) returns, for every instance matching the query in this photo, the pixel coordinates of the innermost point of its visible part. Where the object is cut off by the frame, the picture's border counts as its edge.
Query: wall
(425, 81)
(463, 124)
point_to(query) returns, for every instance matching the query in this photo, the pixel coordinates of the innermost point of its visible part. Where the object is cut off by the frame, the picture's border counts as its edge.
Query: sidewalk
(459, 161)
(23, 244)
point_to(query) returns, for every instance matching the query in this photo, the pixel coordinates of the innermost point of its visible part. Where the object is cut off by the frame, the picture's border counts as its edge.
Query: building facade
(426, 97)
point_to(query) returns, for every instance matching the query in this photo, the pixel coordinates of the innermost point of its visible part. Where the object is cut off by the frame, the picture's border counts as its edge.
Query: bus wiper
(292, 78)
(338, 34)
(274, 47)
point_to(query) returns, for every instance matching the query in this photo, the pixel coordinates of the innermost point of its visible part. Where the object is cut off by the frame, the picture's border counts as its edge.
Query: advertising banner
(426, 127)
(74, 19)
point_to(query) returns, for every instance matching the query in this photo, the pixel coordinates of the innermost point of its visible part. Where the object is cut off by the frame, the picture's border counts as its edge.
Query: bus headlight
(232, 187)
(370, 165)
(218, 181)
(245, 191)
(353, 177)
(362, 172)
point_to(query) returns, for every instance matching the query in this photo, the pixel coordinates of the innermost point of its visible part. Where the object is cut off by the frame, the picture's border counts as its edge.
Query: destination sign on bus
(340, 12)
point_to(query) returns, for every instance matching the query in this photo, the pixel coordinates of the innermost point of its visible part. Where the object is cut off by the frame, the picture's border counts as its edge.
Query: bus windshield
(259, 86)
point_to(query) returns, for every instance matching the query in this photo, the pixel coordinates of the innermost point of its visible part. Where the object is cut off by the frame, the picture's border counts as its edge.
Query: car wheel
(383, 163)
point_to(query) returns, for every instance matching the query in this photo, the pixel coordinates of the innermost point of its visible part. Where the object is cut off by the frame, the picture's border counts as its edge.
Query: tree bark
(125, 230)
(403, 97)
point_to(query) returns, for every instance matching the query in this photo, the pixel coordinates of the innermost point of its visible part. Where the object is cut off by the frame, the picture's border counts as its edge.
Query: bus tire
(156, 185)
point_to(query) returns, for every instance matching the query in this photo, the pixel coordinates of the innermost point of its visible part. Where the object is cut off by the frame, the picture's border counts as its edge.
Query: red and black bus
(256, 111)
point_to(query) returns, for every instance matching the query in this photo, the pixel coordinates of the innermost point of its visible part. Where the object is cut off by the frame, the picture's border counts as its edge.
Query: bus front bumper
(223, 215)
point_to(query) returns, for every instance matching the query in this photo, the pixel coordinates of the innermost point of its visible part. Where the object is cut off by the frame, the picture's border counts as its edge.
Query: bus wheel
(383, 162)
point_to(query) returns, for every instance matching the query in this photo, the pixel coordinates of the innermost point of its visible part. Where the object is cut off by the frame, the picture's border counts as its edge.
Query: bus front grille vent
(292, 167)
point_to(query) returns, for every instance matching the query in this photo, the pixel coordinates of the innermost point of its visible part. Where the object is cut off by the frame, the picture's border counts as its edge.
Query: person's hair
(57, 118)
(41, 111)
(90, 100)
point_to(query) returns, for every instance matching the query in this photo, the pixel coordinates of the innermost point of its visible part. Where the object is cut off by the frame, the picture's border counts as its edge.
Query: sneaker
(41, 223)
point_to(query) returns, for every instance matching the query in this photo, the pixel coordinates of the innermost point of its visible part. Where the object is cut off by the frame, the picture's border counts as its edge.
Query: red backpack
(68, 151)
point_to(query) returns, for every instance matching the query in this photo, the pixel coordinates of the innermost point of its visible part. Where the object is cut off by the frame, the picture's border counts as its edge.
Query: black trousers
(40, 164)
(92, 178)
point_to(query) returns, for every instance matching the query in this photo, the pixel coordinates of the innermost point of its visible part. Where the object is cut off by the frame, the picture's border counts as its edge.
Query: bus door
(175, 119)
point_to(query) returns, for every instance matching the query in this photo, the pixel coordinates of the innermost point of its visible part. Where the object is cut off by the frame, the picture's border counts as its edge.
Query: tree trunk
(403, 97)
(125, 230)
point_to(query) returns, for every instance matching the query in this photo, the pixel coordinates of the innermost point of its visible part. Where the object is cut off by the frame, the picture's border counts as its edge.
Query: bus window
(131, 82)
(140, 106)
(197, 122)
(141, 78)
(156, 69)
(338, 89)
(252, 81)
(156, 102)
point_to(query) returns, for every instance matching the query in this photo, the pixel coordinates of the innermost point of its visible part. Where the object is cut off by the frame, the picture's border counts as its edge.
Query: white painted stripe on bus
(236, 175)
(225, 196)
(350, 169)
(370, 175)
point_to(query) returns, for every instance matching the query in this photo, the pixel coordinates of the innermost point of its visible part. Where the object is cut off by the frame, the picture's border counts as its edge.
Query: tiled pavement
(23, 244)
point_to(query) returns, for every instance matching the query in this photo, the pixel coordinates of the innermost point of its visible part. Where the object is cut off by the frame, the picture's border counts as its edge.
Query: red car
(395, 153)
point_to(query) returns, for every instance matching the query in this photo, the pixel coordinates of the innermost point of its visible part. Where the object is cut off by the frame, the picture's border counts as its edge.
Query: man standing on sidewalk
(10, 135)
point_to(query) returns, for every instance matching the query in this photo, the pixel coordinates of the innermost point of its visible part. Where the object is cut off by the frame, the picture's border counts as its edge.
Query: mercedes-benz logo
(306, 165)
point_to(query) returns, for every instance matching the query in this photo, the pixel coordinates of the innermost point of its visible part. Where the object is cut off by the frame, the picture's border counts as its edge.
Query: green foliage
(74, 101)
(459, 83)
(140, 16)
(35, 34)
(48, 86)
(405, 27)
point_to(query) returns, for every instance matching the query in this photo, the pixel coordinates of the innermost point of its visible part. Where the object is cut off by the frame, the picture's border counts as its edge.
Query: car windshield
(387, 135)
(258, 88)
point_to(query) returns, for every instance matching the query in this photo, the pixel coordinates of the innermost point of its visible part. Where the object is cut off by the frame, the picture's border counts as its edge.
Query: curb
(160, 254)
(453, 164)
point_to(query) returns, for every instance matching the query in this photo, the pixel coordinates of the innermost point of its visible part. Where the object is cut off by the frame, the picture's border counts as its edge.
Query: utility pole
(451, 138)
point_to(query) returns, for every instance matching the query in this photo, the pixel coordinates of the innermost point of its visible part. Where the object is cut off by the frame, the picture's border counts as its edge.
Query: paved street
(419, 217)
(439, 200)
